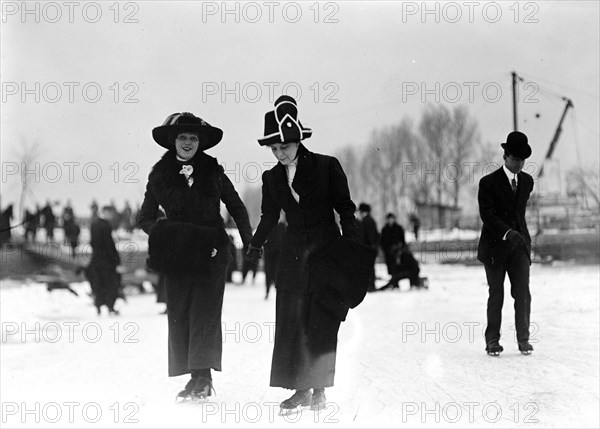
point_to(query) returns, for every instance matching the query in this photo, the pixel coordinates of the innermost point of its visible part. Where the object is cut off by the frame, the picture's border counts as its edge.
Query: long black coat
(367, 232)
(392, 236)
(102, 270)
(500, 210)
(306, 331)
(194, 302)
(323, 187)
(392, 240)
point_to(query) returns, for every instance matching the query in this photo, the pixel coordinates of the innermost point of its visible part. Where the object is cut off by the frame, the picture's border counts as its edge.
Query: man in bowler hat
(368, 235)
(505, 244)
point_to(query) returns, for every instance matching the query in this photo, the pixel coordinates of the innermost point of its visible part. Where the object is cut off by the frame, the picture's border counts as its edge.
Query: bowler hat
(186, 122)
(364, 207)
(282, 124)
(516, 144)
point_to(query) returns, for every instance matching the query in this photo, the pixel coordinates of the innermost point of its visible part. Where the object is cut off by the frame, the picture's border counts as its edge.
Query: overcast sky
(360, 66)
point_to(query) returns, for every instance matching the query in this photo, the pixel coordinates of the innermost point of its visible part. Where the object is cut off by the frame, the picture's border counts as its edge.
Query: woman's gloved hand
(254, 254)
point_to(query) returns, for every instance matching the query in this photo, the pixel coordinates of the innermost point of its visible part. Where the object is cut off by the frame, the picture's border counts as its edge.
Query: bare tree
(584, 184)
(374, 171)
(349, 160)
(27, 157)
(464, 137)
(435, 127)
(409, 155)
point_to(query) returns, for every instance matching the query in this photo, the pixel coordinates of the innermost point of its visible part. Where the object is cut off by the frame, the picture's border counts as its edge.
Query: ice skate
(525, 347)
(302, 398)
(201, 389)
(494, 348)
(185, 394)
(319, 401)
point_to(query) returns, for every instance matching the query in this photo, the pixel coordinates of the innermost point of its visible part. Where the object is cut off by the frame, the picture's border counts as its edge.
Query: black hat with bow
(282, 124)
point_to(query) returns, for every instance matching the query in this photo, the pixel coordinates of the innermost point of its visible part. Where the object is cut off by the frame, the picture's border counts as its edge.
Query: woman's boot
(319, 401)
(302, 398)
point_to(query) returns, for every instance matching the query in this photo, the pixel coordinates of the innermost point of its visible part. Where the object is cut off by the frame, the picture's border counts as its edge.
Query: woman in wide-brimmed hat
(309, 188)
(191, 247)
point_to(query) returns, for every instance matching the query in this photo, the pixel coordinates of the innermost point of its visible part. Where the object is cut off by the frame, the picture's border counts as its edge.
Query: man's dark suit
(502, 210)
(369, 236)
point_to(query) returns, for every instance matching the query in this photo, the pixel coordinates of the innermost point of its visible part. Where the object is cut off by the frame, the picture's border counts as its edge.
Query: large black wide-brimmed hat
(517, 145)
(282, 124)
(186, 122)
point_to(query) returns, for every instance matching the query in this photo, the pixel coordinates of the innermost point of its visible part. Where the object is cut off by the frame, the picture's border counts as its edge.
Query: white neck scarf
(291, 172)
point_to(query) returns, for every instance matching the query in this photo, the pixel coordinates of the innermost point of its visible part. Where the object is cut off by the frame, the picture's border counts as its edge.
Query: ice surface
(405, 358)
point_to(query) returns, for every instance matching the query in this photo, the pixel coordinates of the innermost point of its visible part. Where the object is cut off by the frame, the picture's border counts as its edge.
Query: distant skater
(368, 235)
(102, 270)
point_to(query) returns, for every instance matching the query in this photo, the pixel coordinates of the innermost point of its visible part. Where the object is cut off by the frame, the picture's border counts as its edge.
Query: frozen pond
(405, 358)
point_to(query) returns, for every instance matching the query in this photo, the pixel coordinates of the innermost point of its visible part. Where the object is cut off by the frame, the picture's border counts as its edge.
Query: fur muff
(353, 269)
(180, 248)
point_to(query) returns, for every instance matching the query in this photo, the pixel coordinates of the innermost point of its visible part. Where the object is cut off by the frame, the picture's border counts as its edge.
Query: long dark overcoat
(194, 302)
(305, 334)
(392, 239)
(102, 270)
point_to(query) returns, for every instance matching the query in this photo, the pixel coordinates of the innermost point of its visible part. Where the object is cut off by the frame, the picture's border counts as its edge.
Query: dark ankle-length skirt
(194, 307)
(305, 343)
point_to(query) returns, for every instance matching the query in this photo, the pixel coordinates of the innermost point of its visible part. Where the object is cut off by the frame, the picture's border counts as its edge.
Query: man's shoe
(494, 348)
(525, 347)
(302, 398)
(319, 401)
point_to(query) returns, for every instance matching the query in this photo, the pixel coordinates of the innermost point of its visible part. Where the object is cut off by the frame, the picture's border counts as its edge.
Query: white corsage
(187, 171)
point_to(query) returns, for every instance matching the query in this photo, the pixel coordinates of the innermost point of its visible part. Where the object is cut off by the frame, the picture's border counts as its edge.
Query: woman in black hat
(191, 246)
(308, 187)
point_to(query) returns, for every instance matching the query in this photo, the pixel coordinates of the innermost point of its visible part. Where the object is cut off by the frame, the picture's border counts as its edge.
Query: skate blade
(292, 411)
(526, 352)
(190, 399)
(494, 353)
(318, 407)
